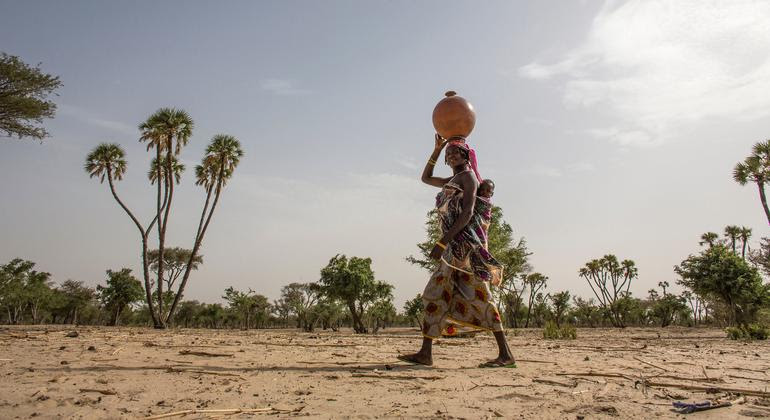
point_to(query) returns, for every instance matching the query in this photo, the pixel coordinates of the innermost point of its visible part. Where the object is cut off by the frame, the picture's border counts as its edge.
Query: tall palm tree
(732, 233)
(108, 160)
(756, 168)
(709, 238)
(167, 130)
(744, 233)
(222, 157)
(157, 171)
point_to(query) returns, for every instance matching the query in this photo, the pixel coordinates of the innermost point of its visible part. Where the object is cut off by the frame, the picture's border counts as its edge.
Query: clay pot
(454, 116)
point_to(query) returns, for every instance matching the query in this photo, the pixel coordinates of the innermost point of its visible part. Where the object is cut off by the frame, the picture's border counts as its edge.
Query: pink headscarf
(460, 142)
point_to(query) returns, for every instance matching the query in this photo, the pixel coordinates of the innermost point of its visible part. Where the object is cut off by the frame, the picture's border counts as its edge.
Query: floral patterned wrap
(458, 293)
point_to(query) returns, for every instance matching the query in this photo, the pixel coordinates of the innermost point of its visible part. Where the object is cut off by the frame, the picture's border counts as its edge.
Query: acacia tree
(756, 168)
(75, 297)
(413, 309)
(559, 306)
(175, 263)
(24, 102)
(248, 305)
(300, 299)
(535, 282)
(352, 282)
(719, 273)
(167, 131)
(122, 290)
(610, 281)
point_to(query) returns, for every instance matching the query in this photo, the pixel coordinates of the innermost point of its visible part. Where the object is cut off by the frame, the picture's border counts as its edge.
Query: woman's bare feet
(417, 358)
(507, 362)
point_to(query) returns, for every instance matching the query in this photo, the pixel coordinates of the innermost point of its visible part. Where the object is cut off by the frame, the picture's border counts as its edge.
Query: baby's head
(487, 188)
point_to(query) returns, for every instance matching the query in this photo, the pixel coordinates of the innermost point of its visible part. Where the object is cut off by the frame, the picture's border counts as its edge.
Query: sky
(608, 127)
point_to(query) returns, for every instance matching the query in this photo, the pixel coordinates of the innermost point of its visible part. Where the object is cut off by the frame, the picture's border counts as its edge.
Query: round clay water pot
(453, 116)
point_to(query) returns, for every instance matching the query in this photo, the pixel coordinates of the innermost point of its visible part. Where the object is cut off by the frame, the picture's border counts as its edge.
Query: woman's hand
(440, 142)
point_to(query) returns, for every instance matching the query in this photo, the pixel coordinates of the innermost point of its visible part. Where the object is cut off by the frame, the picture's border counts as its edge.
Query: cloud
(93, 119)
(543, 170)
(580, 167)
(282, 87)
(657, 65)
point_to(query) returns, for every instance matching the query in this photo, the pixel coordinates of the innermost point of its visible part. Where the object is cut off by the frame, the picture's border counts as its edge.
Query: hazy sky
(608, 128)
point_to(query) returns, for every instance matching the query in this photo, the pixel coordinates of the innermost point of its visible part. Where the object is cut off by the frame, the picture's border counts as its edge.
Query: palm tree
(160, 170)
(167, 130)
(222, 157)
(744, 233)
(108, 160)
(732, 233)
(756, 168)
(709, 238)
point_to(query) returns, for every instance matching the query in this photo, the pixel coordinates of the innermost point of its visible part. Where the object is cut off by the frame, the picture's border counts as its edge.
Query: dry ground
(133, 373)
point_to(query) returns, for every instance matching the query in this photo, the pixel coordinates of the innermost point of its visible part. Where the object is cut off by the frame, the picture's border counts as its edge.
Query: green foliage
(413, 310)
(668, 308)
(23, 290)
(554, 332)
(380, 314)
(300, 299)
(250, 308)
(352, 282)
(122, 290)
(716, 272)
(24, 103)
(756, 169)
(559, 306)
(748, 332)
(610, 281)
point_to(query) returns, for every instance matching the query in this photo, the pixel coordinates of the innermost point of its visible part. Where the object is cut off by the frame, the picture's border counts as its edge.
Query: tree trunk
(762, 197)
(198, 240)
(161, 241)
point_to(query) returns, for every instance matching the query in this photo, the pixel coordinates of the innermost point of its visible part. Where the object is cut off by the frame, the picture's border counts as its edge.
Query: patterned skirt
(456, 299)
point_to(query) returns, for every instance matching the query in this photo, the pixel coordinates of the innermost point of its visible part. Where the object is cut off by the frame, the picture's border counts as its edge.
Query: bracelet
(431, 162)
(440, 245)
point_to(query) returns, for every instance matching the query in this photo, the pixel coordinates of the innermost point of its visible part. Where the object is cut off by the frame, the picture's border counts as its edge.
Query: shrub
(553, 332)
(748, 332)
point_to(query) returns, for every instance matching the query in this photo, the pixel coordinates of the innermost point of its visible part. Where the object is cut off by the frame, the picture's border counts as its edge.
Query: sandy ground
(133, 373)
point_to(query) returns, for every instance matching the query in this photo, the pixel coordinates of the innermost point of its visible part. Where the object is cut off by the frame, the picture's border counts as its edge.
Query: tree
(560, 305)
(248, 305)
(585, 312)
(381, 313)
(756, 168)
(666, 308)
(718, 273)
(300, 299)
(222, 157)
(24, 103)
(176, 260)
(598, 272)
(167, 131)
(413, 309)
(352, 282)
(75, 297)
(22, 288)
(535, 281)
(709, 238)
(732, 233)
(122, 290)
(761, 257)
(744, 234)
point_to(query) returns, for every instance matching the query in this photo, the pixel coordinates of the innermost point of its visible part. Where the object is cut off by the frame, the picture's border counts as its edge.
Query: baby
(484, 195)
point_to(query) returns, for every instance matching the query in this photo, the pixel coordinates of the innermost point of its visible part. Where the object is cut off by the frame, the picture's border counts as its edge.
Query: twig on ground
(204, 353)
(550, 382)
(651, 364)
(751, 392)
(749, 378)
(397, 377)
(219, 411)
(267, 343)
(475, 385)
(207, 372)
(101, 391)
(536, 361)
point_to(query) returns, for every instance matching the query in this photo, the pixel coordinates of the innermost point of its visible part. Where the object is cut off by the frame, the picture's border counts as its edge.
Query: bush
(553, 332)
(749, 332)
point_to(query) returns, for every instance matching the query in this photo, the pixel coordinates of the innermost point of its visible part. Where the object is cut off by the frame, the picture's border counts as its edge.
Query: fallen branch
(204, 353)
(218, 411)
(752, 392)
(749, 378)
(397, 377)
(550, 382)
(475, 385)
(207, 372)
(101, 391)
(652, 364)
(630, 377)
(536, 361)
(307, 345)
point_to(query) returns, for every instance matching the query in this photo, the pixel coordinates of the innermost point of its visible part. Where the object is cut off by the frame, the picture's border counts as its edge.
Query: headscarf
(459, 141)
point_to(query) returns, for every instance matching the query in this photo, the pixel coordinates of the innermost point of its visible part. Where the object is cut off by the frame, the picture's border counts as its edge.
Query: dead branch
(475, 385)
(101, 391)
(652, 364)
(536, 361)
(204, 353)
(397, 377)
(751, 392)
(550, 382)
(749, 378)
(219, 411)
(207, 372)
(267, 343)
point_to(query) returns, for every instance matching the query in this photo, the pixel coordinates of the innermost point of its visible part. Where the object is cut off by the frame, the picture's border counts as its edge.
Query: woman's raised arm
(427, 173)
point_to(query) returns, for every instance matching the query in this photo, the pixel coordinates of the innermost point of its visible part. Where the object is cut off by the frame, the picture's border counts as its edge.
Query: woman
(458, 294)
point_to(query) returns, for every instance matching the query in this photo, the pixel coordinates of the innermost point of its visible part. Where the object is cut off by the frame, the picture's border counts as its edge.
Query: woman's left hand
(435, 254)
